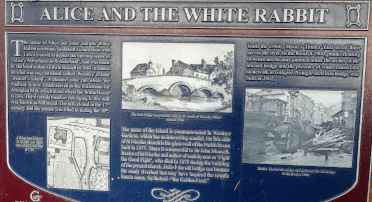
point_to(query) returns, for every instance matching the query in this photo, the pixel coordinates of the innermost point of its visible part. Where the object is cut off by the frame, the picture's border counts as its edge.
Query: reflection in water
(188, 103)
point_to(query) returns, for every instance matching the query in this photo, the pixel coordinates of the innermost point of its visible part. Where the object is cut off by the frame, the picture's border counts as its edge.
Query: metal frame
(211, 27)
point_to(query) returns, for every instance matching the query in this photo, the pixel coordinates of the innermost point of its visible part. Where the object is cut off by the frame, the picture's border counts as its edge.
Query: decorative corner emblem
(20, 18)
(357, 8)
(175, 195)
(35, 197)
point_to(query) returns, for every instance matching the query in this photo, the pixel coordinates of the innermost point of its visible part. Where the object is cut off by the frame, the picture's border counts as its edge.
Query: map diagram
(78, 153)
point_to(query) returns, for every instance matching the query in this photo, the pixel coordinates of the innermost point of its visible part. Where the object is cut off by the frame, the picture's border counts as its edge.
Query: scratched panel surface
(240, 15)
(96, 126)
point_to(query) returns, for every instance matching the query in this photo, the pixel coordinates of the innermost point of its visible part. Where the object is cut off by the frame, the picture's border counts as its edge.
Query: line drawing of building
(143, 70)
(203, 70)
(178, 68)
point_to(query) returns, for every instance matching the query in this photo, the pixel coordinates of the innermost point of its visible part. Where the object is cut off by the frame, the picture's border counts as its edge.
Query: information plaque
(178, 101)
(177, 118)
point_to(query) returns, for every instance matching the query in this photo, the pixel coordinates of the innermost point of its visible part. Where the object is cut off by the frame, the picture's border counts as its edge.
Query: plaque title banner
(238, 15)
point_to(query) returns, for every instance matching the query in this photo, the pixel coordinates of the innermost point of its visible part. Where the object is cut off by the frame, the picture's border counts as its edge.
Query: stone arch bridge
(177, 86)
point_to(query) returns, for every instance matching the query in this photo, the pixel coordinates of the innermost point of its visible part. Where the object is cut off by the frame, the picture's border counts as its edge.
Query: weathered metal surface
(153, 138)
(182, 14)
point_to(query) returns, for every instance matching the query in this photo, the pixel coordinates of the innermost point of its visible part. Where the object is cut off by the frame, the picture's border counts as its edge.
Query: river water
(189, 104)
(335, 159)
(198, 104)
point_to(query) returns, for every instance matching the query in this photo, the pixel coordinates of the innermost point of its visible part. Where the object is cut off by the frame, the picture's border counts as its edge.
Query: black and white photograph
(299, 127)
(177, 76)
(78, 153)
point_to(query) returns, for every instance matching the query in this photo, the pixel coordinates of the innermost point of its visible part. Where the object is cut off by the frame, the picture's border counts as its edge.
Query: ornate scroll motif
(175, 195)
(20, 18)
(357, 8)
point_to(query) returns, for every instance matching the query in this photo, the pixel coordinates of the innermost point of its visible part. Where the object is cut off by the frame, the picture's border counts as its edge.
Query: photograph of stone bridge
(177, 76)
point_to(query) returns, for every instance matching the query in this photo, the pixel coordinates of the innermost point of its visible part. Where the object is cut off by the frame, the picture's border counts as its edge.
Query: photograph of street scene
(299, 127)
(177, 76)
(78, 153)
